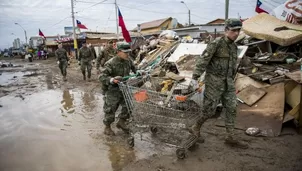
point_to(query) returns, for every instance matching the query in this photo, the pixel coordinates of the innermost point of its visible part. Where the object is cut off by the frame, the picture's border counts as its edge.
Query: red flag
(260, 8)
(121, 23)
(80, 25)
(41, 34)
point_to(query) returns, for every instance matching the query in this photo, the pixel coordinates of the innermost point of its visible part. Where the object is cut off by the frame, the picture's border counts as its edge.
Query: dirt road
(50, 125)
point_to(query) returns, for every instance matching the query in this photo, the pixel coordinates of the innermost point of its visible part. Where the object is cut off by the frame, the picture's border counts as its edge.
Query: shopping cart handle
(129, 76)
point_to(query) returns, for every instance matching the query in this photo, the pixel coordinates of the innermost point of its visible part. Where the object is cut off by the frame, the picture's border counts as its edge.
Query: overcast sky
(52, 16)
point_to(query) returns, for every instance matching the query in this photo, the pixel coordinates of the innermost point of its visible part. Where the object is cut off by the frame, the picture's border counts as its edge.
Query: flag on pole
(260, 7)
(80, 25)
(121, 23)
(41, 34)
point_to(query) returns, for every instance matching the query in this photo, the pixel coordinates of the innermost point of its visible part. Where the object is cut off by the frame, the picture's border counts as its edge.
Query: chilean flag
(121, 23)
(80, 25)
(41, 34)
(260, 7)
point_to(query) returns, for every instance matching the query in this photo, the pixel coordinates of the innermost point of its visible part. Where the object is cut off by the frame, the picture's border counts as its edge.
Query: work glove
(116, 80)
(58, 62)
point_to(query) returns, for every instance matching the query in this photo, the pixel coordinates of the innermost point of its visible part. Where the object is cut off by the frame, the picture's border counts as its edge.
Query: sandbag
(262, 26)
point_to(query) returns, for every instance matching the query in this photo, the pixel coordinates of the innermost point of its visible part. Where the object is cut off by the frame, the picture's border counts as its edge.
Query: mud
(47, 124)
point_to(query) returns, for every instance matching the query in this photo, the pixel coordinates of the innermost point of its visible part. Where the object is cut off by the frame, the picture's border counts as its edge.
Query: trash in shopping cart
(141, 96)
(172, 110)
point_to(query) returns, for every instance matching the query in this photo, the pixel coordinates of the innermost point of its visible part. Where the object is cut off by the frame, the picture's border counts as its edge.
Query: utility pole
(116, 16)
(189, 17)
(75, 43)
(24, 32)
(189, 12)
(226, 9)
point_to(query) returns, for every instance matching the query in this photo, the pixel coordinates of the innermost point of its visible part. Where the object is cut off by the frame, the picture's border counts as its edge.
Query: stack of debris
(267, 57)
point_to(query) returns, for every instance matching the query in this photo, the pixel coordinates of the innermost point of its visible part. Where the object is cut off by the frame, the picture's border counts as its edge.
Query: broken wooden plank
(277, 79)
(267, 114)
(243, 81)
(251, 94)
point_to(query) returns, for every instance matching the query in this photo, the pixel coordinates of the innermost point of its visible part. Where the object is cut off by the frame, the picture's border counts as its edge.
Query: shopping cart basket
(166, 105)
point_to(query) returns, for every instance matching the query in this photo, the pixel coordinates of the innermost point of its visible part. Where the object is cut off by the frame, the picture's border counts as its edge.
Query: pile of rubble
(268, 78)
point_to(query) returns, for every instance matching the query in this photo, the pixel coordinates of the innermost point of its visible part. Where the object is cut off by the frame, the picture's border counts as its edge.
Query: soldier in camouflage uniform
(105, 55)
(219, 61)
(62, 60)
(86, 56)
(91, 47)
(113, 71)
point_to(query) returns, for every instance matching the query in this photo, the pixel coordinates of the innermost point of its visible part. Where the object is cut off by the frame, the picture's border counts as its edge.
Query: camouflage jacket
(61, 54)
(219, 59)
(116, 66)
(105, 56)
(85, 54)
(93, 52)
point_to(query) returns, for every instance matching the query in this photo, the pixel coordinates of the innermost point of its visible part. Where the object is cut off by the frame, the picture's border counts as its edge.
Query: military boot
(64, 78)
(89, 79)
(195, 130)
(84, 77)
(121, 124)
(233, 142)
(108, 131)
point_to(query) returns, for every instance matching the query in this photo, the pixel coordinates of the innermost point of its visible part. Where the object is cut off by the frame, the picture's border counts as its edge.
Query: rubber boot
(108, 131)
(121, 124)
(233, 142)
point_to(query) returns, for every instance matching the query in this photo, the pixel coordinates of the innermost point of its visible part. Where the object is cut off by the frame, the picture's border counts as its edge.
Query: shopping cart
(168, 106)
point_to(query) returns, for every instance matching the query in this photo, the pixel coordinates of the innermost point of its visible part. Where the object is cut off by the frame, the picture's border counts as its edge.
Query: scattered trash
(253, 131)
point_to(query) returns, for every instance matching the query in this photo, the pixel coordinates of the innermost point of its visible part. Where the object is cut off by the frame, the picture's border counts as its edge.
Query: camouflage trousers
(63, 66)
(216, 90)
(112, 100)
(86, 65)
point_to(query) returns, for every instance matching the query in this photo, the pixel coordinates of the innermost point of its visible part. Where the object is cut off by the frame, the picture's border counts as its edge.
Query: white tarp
(197, 49)
(187, 49)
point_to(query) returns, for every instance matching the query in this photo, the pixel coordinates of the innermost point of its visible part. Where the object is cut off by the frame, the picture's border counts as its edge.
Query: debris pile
(268, 78)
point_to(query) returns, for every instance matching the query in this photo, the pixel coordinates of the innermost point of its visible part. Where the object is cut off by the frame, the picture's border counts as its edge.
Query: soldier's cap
(123, 46)
(233, 24)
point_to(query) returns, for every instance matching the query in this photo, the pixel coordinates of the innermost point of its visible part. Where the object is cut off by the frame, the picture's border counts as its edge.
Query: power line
(57, 23)
(92, 6)
(148, 10)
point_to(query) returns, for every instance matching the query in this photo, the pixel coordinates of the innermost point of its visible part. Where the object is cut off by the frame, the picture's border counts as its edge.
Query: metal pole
(226, 9)
(75, 43)
(117, 35)
(189, 17)
(25, 37)
(24, 32)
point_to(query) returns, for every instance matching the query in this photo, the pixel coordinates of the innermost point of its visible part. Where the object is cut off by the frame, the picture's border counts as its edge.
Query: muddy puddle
(62, 130)
(7, 78)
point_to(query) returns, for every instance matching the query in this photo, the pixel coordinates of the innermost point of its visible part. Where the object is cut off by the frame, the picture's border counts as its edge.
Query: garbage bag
(169, 34)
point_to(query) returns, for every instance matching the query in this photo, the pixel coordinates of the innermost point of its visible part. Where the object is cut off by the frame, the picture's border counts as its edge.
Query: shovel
(285, 28)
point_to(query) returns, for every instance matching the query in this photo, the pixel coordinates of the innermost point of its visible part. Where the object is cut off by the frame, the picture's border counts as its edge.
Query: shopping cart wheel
(130, 142)
(153, 129)
(181, 153)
